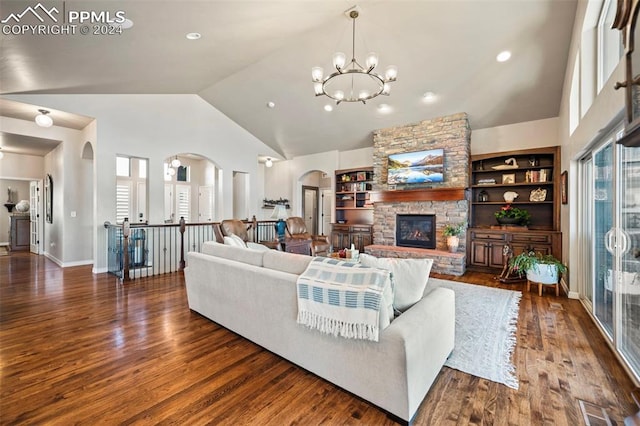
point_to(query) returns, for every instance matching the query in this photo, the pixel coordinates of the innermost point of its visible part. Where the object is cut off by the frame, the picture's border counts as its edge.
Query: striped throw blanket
(341, 298)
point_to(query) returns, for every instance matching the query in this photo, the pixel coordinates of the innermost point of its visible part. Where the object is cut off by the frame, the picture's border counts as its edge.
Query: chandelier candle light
(352, 82)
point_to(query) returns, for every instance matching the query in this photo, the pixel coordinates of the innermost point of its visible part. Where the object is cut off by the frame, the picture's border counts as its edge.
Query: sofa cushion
(286, 262)
(408, 277)
(234, 240)
(239, 254)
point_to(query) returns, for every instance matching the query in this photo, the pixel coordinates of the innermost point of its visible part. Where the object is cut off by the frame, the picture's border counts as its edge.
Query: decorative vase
(452, 243)
(22, 206)
(543, 274)
(509, 220)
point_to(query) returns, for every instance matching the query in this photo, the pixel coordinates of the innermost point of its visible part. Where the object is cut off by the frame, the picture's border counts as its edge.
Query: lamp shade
(175, 163)
(279, 212)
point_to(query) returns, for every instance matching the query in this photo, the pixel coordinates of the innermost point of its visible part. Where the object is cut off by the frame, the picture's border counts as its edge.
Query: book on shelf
(486, 181)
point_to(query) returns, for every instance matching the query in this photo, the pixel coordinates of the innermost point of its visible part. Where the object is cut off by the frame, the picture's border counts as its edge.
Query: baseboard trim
(62, 264)
(99, 270)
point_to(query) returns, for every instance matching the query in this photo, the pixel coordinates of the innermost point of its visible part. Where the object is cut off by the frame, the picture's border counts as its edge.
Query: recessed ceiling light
(384, 108)
(271, 104)
(194, 36)
(429, 97)
(503, 56)
(328, 108)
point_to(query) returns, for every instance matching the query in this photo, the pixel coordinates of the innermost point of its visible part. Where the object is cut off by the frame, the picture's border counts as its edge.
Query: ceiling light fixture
(43, 120)
(268, 163)
(271, 104)
(175, 162)
(171, 171)
(193, 36)
(328, 108)
(503, 56)
(351, 82)
(429, 97)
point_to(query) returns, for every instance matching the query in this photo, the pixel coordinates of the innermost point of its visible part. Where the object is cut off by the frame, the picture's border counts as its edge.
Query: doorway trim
(314, 230)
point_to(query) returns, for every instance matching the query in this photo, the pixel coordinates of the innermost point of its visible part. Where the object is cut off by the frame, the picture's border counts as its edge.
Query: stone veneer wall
(452, 133)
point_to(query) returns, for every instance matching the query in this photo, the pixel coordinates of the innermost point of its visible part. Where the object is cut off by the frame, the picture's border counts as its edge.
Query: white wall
(14, 166)
(527, 135)
(355, 158)
(155, 127)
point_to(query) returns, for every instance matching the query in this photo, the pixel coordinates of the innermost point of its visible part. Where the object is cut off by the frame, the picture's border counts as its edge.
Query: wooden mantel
(423, 194)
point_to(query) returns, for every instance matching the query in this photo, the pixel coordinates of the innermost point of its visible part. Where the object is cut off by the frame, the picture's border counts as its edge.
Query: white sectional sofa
(253, 293)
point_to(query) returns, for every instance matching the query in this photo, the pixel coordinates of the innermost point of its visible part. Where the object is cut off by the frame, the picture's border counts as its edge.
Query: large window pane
(629, 278)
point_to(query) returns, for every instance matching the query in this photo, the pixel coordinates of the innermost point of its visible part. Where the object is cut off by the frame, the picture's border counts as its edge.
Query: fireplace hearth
(416, 230)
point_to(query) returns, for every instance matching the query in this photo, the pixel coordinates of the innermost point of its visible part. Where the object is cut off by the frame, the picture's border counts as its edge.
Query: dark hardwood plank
(77, 348)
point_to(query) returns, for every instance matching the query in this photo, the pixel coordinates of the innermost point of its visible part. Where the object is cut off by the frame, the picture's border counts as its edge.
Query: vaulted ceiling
(255, 52)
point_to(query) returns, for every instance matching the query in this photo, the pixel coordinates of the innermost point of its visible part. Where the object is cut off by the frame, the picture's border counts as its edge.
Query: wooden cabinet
(486, 249)
(19, 237)
(343, 236)
(486, 246)
(534, 175)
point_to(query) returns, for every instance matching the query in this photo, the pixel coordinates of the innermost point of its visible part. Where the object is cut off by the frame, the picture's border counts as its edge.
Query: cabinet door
(479, 253)
(340, 240)
(495, 254)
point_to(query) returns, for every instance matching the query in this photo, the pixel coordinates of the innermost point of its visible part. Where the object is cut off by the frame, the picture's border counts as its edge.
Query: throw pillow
(408, 278)
(234, 240)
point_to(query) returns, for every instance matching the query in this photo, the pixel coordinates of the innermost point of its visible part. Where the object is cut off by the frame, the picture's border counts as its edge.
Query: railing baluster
(182, 229)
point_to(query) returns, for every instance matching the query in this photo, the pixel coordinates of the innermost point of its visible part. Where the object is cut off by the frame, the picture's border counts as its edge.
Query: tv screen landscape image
(416, 167)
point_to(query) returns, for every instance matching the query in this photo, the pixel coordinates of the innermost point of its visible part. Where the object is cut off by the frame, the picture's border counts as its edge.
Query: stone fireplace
(450, 133)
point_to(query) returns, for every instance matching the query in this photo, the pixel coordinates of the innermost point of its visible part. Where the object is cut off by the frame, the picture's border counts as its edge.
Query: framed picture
(563, 187)
(361, 176)
(509, 178)
(48, 198)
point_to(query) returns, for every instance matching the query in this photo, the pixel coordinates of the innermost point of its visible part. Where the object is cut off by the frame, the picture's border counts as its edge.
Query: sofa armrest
(427, 332)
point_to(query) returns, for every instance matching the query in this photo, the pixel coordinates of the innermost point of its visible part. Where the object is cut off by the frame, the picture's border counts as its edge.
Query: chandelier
(351, 82)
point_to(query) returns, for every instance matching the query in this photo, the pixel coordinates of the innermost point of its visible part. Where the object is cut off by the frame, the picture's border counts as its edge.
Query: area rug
(486, 320)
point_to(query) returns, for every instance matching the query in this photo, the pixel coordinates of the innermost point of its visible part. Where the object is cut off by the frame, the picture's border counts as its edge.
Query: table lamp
(280, 213)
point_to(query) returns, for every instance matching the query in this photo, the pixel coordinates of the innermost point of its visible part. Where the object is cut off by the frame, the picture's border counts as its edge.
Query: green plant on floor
(528, 260)
(453, 230)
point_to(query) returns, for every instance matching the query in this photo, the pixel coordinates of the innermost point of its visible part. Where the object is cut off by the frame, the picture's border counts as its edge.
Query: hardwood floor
(84, 349)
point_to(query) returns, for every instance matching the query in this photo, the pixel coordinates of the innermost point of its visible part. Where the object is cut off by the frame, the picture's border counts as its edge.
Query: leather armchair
(297, 230)
(234, 226)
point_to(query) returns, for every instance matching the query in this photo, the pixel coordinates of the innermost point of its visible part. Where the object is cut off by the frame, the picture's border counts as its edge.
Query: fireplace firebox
(416, 230)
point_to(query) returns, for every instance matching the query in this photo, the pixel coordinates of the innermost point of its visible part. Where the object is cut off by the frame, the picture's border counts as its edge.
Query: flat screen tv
(416, 167)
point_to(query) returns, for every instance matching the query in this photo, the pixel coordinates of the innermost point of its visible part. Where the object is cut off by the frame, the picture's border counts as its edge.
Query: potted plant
(453, 232)
(539, 268)
(512, 215)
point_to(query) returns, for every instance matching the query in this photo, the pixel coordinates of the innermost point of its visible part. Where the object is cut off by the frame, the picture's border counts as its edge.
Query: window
(183, 174)
(123, 166)
(609, 43)
(131, 189)
(142, 168)
(183, 202)
(123, 201)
